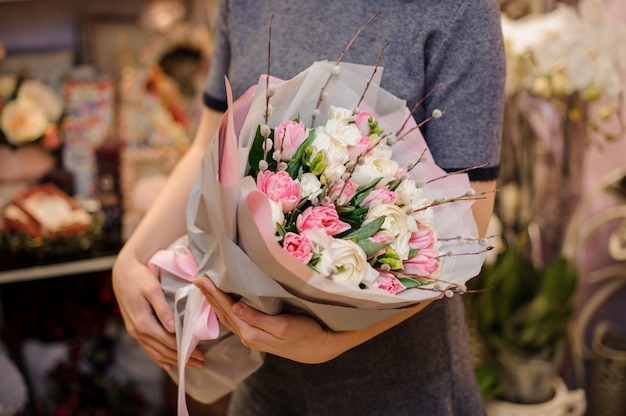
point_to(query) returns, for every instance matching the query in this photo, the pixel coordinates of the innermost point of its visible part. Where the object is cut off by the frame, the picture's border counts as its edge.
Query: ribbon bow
(200, 321)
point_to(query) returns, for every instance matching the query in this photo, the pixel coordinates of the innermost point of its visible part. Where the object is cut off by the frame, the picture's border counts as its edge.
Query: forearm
(166, 221)
(483, 207)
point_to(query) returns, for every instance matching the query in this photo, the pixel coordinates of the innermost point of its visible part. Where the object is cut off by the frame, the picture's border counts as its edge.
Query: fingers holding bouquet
(293, 336)
(150, 320)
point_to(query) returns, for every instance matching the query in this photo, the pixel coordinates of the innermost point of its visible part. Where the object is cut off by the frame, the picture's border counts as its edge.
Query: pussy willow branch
(414, 109)
(343, 53)
(369, 81)
(267, 79)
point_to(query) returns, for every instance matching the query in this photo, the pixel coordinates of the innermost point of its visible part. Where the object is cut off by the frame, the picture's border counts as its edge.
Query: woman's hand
(295, 337)
(140, 298)
(292, 336)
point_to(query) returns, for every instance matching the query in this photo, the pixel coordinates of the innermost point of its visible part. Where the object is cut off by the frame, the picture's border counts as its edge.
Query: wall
(43, 25)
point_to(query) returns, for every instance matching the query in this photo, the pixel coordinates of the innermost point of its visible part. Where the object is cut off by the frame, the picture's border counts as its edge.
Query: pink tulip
(280, 188)
(299, 246)
(322, 217)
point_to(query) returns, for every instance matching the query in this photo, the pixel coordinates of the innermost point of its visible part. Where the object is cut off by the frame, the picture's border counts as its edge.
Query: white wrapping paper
(232, 239)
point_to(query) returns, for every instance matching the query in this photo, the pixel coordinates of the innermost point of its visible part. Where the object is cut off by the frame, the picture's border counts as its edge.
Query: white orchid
(564, 51)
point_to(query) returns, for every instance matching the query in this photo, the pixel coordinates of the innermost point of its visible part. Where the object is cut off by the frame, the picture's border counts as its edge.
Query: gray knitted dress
(423, 365)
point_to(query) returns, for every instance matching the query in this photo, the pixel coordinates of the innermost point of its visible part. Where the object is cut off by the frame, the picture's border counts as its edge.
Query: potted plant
(523, 318)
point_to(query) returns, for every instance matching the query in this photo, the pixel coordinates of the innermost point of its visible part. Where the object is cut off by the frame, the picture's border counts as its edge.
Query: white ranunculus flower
(424, 216)
(372, 168)
(340, 113)
(22, 121)
(333, 171)
(381, 151)
(340, 126)
(341, 260)
(277, 214)
(332, 150)
(44, 96)
(342, 132)
(311, 186)
(8, 82)
(397, 224)
(408, 194)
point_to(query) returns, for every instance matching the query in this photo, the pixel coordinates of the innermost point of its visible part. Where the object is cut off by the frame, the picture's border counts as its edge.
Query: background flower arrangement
(564, 94)
(30, 111)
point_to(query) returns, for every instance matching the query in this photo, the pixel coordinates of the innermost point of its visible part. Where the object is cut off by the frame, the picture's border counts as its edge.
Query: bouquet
(342, 220)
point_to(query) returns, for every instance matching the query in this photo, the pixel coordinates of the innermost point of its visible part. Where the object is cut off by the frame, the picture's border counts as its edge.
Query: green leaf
(295, 164)
(370, 247)
(410, 282)
(362, 192)
(366, 230)
(256, 151)
(413, 252)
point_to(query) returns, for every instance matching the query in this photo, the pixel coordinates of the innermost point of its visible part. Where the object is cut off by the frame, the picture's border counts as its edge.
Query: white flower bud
(271, 91)
(263, 165)
(265, 130)
(437, 113)
(335, 70)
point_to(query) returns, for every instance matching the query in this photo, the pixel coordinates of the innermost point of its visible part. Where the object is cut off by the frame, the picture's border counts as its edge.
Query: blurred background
(99, 100)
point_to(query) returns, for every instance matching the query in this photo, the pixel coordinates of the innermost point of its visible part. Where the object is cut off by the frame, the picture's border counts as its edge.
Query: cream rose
(22, 121)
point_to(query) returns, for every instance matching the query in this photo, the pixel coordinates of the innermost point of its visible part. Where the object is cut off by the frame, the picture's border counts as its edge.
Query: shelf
(55, 270)
(19, 268)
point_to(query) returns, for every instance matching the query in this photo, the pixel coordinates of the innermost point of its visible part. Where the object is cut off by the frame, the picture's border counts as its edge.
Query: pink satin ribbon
(181, 263)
